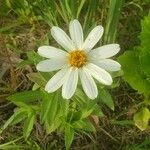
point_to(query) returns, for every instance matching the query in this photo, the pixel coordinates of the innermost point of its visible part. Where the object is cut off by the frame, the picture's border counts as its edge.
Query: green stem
(113, 16)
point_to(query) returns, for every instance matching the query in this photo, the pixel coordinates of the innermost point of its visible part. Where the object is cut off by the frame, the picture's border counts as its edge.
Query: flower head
(78, 61)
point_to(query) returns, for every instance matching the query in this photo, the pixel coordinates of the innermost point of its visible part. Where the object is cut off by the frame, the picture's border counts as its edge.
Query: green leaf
(145, 34)
(37, 78)
(28, 125)
(24, 63)
(113, 16)
(145, 63)
(46, 105)
(18, 116)
(53, 110)
(34, 57)
(25, 97)
(141, 118)
(135, 63)
(56, 123)
(123, 122)
(49, 107)
(69, 135)
(106, 98)
(84, 125)
(133, 73)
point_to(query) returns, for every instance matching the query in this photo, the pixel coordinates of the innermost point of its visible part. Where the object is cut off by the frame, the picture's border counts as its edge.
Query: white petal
(100, 74)
(51, 52)
(93, 37)
(62, 38)
(70, 84)
(56, 81)
(76, 33)
(88, 84)
(108, 64)
(105, 51)
(50, 65)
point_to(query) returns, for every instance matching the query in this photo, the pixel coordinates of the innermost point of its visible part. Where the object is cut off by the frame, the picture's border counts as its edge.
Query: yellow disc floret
(77, 58)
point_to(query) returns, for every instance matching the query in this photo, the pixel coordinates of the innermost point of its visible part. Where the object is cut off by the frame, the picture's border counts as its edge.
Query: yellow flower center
(77, 58)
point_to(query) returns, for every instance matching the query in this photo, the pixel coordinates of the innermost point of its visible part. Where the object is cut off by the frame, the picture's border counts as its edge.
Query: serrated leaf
(106, 98)
(141, 118)
(69, 135)
(28, 125)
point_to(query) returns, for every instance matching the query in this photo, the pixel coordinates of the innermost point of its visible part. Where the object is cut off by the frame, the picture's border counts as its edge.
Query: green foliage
(28, 124)
(52, 12)
(135, 65)
(106, 98)
(113, 16)
(141, 118)
(25, 97)
(69, 135)
(53, 112)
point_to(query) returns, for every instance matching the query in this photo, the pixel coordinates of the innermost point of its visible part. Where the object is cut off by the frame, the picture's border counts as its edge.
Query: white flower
(79, 60)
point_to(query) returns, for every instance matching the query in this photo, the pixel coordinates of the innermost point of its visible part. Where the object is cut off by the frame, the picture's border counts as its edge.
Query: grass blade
(113, 16)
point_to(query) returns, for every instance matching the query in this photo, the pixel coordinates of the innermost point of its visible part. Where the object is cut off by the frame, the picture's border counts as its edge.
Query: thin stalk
(79, 8)
(113, 16)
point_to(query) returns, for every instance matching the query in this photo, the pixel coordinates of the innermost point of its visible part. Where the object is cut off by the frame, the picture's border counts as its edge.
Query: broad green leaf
(145, 63)
(141, 118)
(25, 97)
(69, 135)
(133, 73)
(106, 98)
(28, 125)
(135, 63)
